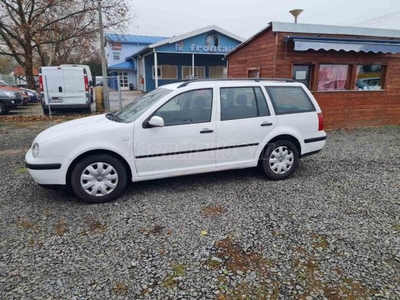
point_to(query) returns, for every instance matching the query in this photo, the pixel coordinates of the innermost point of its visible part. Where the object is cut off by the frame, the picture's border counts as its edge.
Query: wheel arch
(286, 137)
(97, 152)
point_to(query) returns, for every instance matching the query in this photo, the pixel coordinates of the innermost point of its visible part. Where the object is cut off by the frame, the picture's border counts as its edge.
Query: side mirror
(156, 121)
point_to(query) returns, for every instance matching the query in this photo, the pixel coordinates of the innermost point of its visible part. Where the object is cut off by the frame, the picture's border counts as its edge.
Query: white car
(179, 129)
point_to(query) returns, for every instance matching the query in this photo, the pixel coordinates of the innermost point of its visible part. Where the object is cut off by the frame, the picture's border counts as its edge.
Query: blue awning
(357, 45)
(126, 65)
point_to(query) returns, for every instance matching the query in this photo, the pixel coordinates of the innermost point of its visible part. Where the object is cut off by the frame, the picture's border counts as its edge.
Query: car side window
(289, 100)
(187, 108)
(242, 103)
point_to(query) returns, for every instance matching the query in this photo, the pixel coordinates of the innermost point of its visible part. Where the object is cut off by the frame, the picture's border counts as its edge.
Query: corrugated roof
(133, 39)
(322, 29)
(123, 65)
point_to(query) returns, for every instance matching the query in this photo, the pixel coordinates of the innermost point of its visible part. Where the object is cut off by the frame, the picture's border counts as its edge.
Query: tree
(53, 30)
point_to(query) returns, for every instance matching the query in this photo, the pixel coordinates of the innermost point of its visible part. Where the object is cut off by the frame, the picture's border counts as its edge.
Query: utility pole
(103, 60)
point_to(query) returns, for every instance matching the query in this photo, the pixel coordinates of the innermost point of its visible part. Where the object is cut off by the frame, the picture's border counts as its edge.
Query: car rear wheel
(280, 160)
(98, 178)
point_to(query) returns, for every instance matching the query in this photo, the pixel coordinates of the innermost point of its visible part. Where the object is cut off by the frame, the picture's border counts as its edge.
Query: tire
(3, 110)
(46, 111)
(100, 186)
(280, 159)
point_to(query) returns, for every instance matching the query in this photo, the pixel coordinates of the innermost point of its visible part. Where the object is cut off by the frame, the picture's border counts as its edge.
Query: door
(53, 85)
(74, 86)
(186, 142)
(245, 120)
(123, 81)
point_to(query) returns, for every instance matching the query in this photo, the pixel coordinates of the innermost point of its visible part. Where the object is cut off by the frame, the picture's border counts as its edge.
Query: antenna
(295, 13)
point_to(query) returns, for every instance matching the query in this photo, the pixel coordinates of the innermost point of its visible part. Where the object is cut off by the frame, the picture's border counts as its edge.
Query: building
(119, 48)
(352, 72)
(197, 54)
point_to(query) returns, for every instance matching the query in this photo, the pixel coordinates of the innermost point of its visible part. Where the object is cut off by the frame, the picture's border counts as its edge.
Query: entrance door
(186, 142)
(123, 81)
(245, 121)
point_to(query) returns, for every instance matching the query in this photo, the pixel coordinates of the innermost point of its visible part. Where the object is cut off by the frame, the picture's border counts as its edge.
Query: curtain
(332, 77)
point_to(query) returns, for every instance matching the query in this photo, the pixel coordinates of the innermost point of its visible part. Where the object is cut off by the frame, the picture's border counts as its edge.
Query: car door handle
(60, 89)
(206, 130)
(266, 123)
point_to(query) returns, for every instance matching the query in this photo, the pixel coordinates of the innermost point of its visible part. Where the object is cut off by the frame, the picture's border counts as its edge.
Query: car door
(186, 142)
(245, 120)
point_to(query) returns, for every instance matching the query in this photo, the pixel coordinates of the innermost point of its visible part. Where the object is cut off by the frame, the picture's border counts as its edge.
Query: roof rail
(189, 81)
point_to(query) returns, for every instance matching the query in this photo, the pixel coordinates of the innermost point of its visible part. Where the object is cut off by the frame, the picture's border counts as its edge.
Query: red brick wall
(340, 109)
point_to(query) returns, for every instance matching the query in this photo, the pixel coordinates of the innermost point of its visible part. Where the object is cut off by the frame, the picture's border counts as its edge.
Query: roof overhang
(304, 43)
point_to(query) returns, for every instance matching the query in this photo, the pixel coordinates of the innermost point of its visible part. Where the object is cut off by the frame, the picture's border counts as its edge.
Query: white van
(64, 88)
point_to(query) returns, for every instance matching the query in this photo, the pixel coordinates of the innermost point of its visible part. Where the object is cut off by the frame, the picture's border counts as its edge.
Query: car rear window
(289, 100)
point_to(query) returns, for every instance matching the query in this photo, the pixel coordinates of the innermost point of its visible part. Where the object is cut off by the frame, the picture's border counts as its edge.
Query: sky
(247, 17)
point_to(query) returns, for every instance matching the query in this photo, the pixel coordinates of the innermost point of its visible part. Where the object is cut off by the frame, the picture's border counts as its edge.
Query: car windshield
(135, 109)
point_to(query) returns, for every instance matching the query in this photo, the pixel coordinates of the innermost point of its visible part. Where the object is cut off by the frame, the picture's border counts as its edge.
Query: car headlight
(35, 150)
(9, 94)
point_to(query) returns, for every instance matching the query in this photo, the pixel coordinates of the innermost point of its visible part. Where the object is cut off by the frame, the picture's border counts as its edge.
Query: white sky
(247, 17)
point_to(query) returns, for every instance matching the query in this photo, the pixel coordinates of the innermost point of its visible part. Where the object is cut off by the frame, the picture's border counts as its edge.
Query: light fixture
(295, 13)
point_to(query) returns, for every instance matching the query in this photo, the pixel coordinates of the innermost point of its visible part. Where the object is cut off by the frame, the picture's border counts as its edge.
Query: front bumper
(47, 171)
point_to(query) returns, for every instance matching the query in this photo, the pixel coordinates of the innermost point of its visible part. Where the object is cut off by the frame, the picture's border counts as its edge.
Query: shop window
(116, 56)
(369, 77)
(302, 73)
(217, 72)
(199, 72)
(332, 77)
(253, 73)
(166, 72)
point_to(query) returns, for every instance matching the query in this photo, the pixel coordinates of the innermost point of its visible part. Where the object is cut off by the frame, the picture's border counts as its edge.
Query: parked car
(32, 94)
(24, 97)
(8, 100)
(180, 129)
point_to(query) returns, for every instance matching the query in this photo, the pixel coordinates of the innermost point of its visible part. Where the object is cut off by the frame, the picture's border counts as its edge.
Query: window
(289, 100)
(199, 72)
(217, 72)
(301, 73)
(187, 108)
(332, 77)
(242, 102)
(166, 72)
(116, 56)
(369, 77)
(253, 72)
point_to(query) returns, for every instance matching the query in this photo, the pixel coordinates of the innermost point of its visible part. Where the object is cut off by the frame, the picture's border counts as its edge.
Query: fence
(69, 94)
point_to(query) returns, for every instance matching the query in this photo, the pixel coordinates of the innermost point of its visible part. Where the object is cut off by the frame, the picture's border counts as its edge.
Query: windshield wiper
(111, 116)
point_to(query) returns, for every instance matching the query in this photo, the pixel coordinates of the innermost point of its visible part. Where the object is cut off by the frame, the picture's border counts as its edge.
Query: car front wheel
(99, 178)
(280, 160)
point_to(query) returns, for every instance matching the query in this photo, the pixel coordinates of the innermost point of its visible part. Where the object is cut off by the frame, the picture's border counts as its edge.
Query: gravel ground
(332, 231)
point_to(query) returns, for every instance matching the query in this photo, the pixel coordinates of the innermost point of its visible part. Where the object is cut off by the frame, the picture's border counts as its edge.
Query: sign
(116, 46)
(211, 45)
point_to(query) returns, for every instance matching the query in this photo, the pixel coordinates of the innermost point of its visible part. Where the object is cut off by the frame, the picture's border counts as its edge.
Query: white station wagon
(179, 129)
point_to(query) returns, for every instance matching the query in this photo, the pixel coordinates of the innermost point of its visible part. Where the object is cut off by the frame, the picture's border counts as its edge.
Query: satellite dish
(295, 13)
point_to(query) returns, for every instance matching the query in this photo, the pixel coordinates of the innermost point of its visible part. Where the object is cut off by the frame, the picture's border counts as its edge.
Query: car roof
(231, 82)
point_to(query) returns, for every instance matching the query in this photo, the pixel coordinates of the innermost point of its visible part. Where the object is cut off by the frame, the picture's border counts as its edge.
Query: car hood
(79, 126)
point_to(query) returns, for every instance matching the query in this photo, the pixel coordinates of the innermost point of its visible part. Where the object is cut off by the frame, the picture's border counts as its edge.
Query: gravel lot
(331, 231)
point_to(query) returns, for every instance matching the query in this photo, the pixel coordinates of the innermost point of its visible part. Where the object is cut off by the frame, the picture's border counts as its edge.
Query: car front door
(186, 142)
(244, 121)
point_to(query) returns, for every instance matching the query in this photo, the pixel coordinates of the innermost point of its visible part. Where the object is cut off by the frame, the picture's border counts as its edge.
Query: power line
(379, 19)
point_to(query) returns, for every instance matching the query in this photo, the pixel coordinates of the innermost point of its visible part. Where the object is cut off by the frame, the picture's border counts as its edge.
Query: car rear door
(245, 120)
(53, 85)
(74, 85)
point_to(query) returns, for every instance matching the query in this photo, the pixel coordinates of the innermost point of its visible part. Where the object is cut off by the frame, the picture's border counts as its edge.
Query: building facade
(197, 54)
(352, 72)
(119, 48)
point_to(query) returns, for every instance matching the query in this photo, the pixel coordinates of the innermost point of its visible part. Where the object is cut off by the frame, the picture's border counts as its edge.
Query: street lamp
(103, 59)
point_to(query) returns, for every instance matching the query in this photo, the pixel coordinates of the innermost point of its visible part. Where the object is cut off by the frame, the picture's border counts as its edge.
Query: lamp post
(103, 59)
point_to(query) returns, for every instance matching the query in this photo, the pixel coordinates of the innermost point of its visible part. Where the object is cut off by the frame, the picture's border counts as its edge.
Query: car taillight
(320, 122)
(41, 83)
(86, 84)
